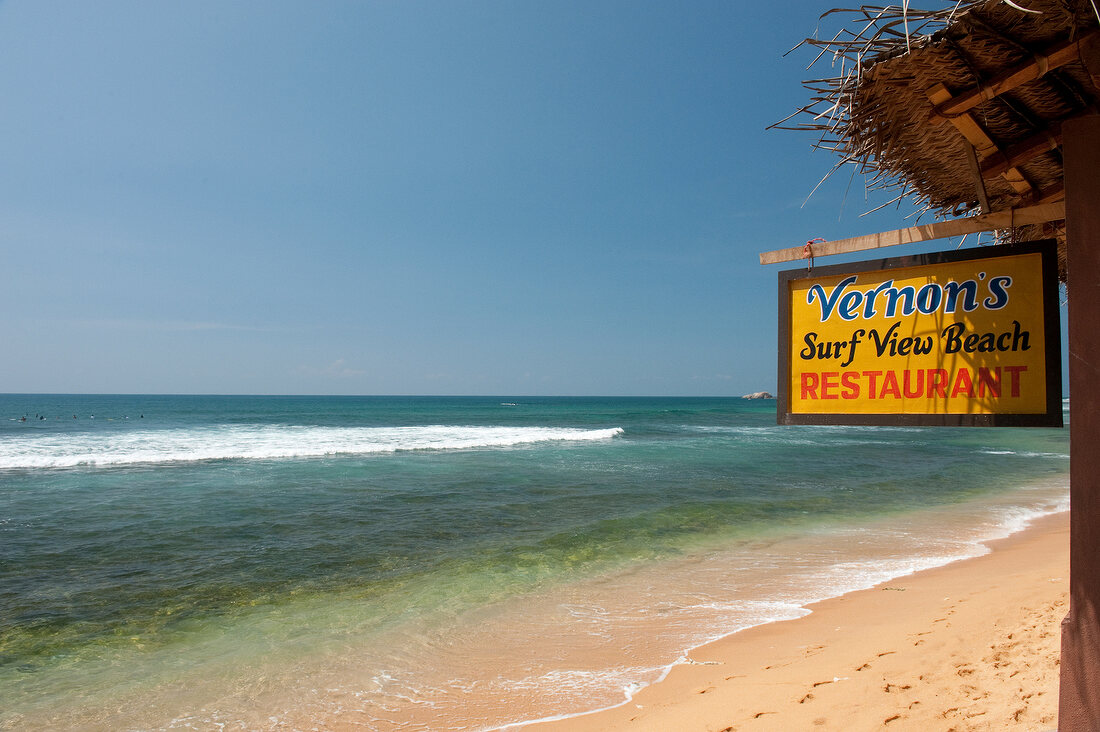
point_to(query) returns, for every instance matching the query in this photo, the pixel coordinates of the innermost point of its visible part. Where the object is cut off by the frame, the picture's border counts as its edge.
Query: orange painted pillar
(1079, 693)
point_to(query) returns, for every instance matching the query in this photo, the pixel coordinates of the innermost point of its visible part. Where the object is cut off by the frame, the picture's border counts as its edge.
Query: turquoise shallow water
(146, 540)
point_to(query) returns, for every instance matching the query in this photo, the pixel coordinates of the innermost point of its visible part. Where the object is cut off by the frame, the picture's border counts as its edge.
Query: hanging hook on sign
(808, 252)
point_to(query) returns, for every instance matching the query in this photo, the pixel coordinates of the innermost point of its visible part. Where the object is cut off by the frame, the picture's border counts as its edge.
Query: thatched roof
(959, 107)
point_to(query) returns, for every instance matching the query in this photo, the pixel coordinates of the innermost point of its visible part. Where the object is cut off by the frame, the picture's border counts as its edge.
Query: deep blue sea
(241, 562)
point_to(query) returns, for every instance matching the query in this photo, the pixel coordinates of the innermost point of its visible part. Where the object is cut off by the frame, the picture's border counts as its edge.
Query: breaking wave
(268, 442)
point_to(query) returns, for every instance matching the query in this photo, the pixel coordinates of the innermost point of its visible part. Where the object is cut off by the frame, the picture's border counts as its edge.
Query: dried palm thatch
(959, 107)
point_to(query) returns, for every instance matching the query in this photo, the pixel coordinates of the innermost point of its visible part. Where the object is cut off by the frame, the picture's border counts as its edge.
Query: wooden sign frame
(1050, 416)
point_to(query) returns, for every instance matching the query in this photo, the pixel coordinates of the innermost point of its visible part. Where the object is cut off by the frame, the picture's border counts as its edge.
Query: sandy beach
(970, 646)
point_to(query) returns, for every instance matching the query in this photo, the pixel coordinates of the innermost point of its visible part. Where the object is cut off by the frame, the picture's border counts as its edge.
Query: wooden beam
(1020, 153)
(979, 182)
(925, 232)
(1053, 57)
(980, 139)
(1052, 194)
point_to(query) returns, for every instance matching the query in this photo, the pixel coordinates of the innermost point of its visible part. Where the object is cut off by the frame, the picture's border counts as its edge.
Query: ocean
(465, 563)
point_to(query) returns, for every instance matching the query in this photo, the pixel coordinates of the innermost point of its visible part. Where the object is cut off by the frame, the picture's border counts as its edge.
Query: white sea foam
(626, 681)
(268, 442)
(1027, 453)
(1013, 519)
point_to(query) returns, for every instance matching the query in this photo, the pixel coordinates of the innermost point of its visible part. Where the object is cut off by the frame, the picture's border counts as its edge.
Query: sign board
(968, 337)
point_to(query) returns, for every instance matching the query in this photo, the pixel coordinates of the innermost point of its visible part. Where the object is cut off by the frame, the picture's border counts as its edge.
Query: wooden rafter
(1044, 141)
(979, 138)
(1055, 56)
(1050, 195)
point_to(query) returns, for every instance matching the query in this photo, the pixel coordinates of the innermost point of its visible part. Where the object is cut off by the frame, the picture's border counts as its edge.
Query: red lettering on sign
(986, 379)
(1014, 373)
(912, 383)
(809, 385)
(850, 381)
(890, 386)
(937, 383)
(963, 383)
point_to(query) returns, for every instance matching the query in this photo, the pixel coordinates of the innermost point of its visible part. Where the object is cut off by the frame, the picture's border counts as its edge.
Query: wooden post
(1079, 693)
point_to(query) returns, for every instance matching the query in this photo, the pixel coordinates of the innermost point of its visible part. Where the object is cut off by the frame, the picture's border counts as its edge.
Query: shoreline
(714, 672)
(576, 575)
(981, 635)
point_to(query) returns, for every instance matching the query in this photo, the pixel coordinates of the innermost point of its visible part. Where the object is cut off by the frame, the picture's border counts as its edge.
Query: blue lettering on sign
(850, 304)
(828, 303)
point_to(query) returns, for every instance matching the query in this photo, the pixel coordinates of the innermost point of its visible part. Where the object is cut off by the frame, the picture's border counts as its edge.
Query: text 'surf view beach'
(447, 563)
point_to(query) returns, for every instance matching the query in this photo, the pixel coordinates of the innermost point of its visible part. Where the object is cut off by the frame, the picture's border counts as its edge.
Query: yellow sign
(968, 337)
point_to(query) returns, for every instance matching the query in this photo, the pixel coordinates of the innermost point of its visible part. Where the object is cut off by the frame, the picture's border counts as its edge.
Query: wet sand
(972, 645)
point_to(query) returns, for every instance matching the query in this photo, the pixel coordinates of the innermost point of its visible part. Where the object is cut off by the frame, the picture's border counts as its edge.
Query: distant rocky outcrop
(758, 395)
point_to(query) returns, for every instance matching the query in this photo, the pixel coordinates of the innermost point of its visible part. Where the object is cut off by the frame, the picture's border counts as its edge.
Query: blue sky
(403, 197)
